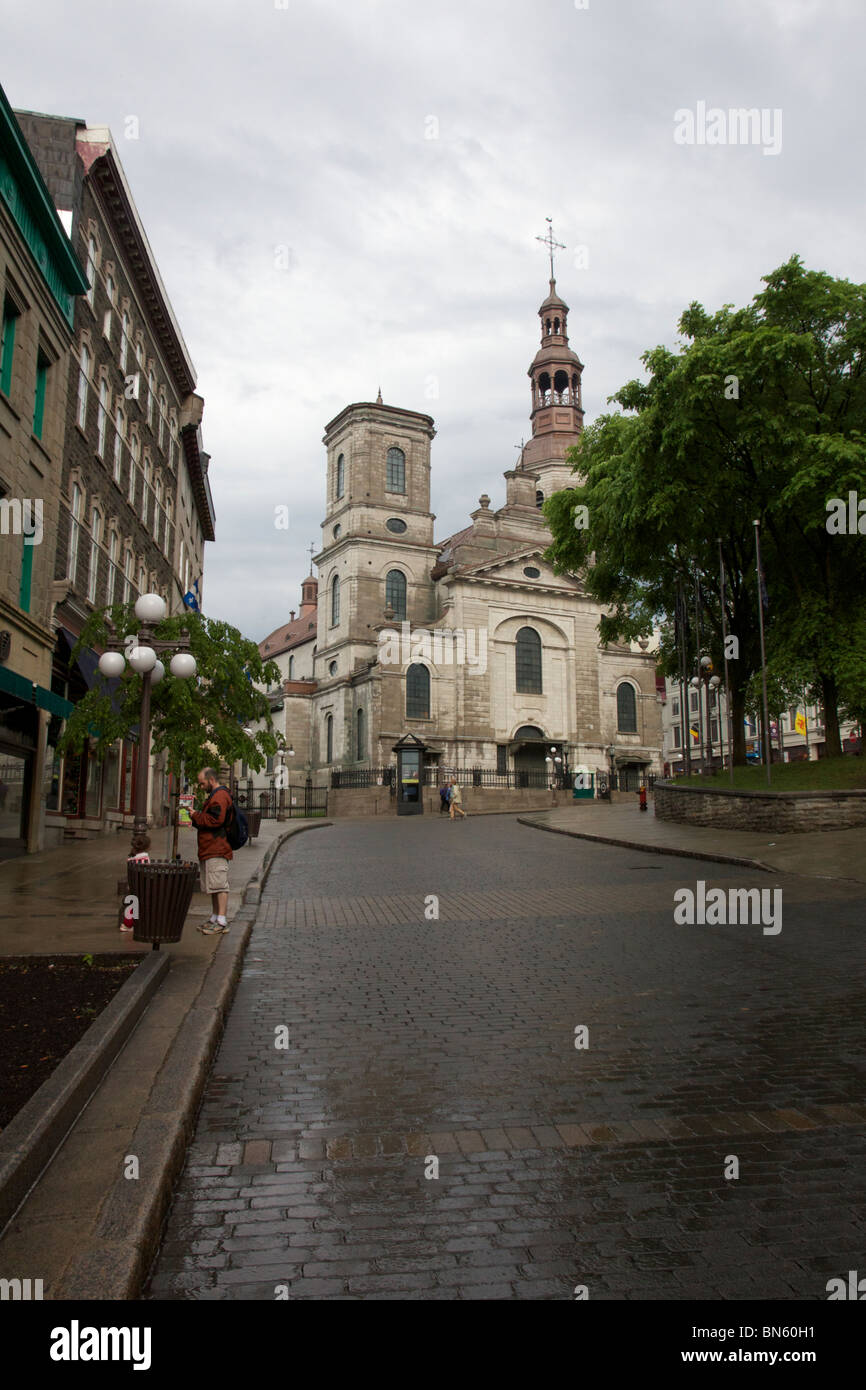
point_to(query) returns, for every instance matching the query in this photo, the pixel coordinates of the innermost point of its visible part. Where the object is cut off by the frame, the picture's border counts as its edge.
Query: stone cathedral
(471, 644)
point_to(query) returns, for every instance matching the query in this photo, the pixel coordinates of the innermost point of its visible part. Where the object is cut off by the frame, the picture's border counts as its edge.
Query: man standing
(214, 850)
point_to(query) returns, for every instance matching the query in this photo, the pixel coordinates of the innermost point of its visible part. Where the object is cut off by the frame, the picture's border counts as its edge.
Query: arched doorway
(530, 750)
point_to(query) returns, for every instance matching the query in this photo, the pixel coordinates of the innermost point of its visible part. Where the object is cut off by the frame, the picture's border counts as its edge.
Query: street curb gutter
(253, 890)
(127, 1235)
(31, 1139)
(652, 849)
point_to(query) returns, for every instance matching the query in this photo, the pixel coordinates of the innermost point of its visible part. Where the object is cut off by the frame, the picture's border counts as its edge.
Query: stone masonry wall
(795, 812)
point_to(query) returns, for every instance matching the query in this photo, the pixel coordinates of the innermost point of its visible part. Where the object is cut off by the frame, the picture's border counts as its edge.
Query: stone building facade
(135, 504)
(471, 645)
(39, 281)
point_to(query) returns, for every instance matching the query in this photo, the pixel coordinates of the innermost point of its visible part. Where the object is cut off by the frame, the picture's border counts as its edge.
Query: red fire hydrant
(642, 796)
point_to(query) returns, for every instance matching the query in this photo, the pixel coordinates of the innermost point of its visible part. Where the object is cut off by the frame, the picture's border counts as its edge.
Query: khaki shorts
(214, 875)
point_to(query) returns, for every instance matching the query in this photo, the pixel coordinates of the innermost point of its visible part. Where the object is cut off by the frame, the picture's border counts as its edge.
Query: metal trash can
(254, 821)
(164, 890)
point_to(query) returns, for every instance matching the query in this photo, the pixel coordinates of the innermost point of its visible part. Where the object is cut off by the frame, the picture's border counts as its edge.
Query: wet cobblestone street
(411, 1038)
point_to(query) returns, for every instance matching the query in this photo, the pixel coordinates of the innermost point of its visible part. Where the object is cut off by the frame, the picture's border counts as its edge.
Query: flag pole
(768, 749)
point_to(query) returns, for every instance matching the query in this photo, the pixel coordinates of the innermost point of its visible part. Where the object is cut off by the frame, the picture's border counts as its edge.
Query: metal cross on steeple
(521, 446)
(550, 243)
(312, 553)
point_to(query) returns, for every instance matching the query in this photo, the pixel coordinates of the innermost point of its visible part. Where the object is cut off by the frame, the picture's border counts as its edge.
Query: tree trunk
(830, 699)
(738, 714)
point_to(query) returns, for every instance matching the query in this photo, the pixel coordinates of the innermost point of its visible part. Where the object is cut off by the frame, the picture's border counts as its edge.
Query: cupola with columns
(557, 408)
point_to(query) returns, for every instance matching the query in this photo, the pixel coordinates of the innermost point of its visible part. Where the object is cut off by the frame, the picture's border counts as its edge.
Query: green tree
(189, 718)
(760, 415)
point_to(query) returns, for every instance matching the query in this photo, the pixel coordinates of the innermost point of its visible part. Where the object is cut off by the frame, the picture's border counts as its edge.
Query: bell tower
(557, 409)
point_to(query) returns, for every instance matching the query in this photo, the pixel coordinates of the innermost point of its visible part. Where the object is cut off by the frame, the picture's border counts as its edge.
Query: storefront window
(93, 786)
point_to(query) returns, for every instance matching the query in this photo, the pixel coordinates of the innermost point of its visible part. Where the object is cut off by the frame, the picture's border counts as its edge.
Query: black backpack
(237, 830)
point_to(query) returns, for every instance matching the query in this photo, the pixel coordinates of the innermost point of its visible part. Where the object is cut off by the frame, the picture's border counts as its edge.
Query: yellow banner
(800, 723)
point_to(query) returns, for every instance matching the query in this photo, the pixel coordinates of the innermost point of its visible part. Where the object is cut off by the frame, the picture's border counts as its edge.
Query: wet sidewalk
(823, 854)
(65, 900)
(83, 1228)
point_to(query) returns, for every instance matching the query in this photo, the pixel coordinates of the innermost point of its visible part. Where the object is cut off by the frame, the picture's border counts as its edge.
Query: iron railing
(298, 801)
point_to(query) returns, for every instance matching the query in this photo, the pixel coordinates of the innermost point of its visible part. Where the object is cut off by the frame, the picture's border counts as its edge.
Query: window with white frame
(142, 580)
(169, 511)
(162, 410)
(128, 571)
(157, 509)
(119, 430)
(172, 444)
(91, 269)
(74, 529)
(134, 455)
(125, 330)
(102, 418)
(145, 491)
(95, 538)
(112, 568)
(151, 388)
(106, 322)
(180, 563)
(83, 383)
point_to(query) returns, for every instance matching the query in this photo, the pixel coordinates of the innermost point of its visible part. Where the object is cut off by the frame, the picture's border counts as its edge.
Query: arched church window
(547, 327)
(539, 498)
(335, 600)
(291, 668)
(396, 471)
(360, 746)
(528, 672)
(341, 476)
(560, 387)
(329, 738)
(417, 692)
(395, 593)
(556, 325)
(626, 709)
(544, 388)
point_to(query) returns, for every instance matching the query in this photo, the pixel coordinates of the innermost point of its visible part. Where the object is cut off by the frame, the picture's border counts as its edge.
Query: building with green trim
(40, 279)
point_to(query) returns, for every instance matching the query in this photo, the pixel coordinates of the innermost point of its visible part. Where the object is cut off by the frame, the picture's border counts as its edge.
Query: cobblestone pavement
(559, 1165)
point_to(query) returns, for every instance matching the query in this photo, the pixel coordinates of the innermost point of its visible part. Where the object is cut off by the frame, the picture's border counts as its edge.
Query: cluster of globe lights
(150, 609)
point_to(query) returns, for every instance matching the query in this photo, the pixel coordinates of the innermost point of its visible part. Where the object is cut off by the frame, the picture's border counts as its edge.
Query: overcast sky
(316, 242)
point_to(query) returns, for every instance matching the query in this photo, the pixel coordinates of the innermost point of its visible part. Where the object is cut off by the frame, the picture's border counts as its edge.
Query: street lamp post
(704, 680)
(557, 763)
(142, 657)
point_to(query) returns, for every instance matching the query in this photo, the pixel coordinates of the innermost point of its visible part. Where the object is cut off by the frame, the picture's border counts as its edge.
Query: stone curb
(653, 849)
(127, 1236)
(31, 1139)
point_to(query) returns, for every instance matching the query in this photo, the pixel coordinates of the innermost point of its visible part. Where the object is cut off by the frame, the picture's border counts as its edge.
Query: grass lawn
(826, 775)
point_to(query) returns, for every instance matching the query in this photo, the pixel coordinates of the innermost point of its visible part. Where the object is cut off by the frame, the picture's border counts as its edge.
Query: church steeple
(555, 374)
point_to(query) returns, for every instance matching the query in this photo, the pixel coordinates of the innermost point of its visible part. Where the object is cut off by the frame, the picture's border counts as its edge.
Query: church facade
(472, 644)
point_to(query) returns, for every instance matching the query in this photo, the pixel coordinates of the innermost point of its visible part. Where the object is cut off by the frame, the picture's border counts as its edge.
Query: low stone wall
(778, 812)
(377, 801)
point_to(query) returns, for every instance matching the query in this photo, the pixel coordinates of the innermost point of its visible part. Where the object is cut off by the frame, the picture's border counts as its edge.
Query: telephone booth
(410, 775)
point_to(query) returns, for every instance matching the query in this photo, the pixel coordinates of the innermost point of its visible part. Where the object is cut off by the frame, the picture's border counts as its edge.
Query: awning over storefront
(29, 693)
(87, 661)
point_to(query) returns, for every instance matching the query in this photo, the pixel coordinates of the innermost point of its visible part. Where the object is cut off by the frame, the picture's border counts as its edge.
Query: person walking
(455, 800)
(444, 798)
(214, 850)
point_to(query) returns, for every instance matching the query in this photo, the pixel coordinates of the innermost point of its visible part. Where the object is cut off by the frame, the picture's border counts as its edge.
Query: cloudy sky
(343, 194)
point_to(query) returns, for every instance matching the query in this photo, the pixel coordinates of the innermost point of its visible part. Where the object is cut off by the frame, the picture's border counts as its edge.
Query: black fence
(626, 779)
(631, 780)
(467, 777)
(297, 802)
